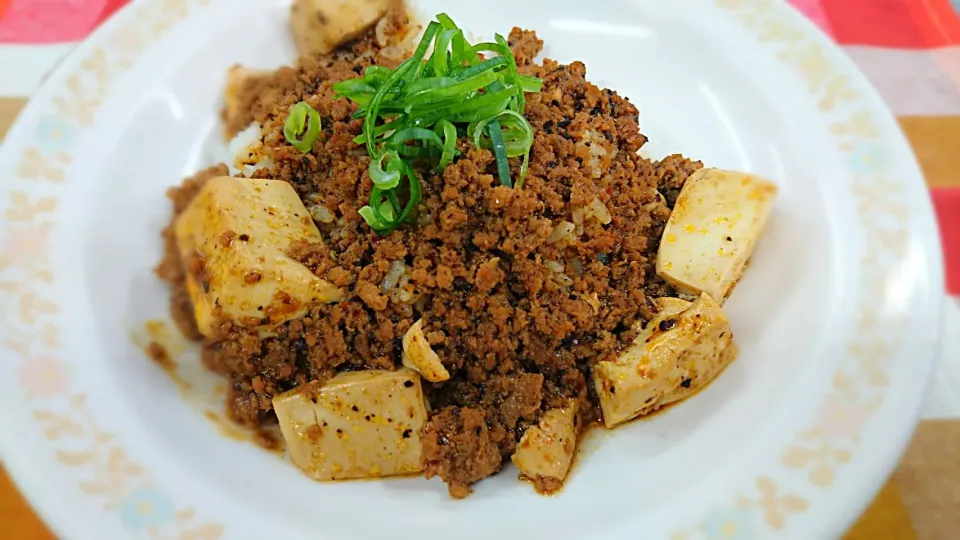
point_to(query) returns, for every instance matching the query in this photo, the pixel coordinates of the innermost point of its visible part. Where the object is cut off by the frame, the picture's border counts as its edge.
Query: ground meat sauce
(517, 316)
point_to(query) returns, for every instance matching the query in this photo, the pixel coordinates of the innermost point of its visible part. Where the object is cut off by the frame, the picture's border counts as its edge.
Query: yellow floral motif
(44, 376)
(877, 197)
(32, 307)
(110, 475)
(46, 335)
(23, 209)
(28, 246)
(81, 102)
(107, 473)
(776, 507)
(894, 240)
(749, 10)
(860, 125)
(831, 441)
(28, 235)
(126, 38)
(868, 355)
(777, 31)
(820, 75)
(169, 12)
(822, 459)
(33, 164)
(98, 65)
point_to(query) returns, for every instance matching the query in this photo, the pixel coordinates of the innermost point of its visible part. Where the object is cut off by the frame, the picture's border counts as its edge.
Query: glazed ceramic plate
(836, 318)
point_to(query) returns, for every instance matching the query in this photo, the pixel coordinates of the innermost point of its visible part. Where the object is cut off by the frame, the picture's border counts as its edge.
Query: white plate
(837, 317)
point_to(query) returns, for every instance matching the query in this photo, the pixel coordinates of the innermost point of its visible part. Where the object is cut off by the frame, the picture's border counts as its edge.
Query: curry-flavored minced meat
(516, 319)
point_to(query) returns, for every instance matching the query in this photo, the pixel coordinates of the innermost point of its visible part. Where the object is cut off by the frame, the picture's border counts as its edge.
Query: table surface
(910, 49)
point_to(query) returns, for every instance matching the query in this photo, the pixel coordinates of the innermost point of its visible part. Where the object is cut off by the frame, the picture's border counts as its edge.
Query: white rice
(246, 153)
(561, 232)
(397, 270)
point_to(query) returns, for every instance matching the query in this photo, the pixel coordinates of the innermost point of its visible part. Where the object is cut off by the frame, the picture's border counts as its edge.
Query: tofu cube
(361, 424)
(679, 352)
(545, 451)
(713, 230)
(319, 26)
(233, 238)
(420, 357)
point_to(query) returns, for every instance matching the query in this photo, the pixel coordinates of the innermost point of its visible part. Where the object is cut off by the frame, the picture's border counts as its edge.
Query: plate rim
(922, 224)
(934, 254)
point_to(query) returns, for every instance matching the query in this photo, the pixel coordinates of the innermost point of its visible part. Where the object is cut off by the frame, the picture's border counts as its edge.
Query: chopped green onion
(521, 101)
(446, 22)
(488, 46)
(518, 136)
(302, 126)
(500, 152)
(370, 216)
(388, 178)
(393, 199)
(521, 133)
(476, 108)
(371, 119)
(411, 115)
(421, 51)
(400, 138)
(459, 45)
(398, 142)
(438, 88)
(449, 142)
(530, 85)
(380, 130)
(441, 58)
(523, 170)
(380, 214)
(491, 63)
(354, 86)
(416, 193)
(376, 73)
